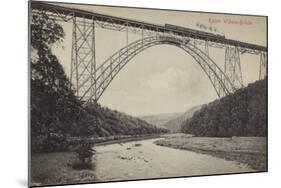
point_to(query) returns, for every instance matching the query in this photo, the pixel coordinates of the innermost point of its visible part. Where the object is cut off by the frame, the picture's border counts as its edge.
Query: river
(144, 160)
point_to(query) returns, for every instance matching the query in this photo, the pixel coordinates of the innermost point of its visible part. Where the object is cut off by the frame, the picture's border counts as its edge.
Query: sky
(165, 79)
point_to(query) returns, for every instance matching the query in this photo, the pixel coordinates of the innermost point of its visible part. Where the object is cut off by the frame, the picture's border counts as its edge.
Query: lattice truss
(83, 63)
(232, 66)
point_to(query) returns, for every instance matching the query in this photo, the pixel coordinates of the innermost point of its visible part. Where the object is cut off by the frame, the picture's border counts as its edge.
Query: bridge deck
(143, 25)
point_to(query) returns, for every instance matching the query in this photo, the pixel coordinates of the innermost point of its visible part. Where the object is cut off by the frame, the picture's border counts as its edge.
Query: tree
(53, 105)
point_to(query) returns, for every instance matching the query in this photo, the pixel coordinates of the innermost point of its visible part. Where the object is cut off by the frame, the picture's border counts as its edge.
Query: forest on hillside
(243, 113)
(111, 122)
(56, 114)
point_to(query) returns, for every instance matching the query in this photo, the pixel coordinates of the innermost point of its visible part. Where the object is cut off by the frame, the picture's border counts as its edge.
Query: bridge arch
(106, 72)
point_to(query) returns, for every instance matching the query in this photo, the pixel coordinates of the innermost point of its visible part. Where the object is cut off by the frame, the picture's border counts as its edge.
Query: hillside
(174, 124)
(160, 119)
(243, 113)
(170, 121)
(107, 122)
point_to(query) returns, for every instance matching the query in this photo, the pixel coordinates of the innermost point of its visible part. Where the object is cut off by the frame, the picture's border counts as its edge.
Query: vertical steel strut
(83, 61)
(232, 66)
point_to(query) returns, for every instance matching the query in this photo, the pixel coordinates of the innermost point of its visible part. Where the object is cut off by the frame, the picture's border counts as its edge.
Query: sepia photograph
(127, 93)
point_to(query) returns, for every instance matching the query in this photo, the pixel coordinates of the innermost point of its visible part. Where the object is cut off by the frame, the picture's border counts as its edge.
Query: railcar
(193, 31)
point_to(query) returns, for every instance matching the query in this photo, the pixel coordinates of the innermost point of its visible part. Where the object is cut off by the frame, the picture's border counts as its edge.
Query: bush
(85, 152)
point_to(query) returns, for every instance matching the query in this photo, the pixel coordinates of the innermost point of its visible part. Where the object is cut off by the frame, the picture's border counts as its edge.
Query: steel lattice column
(232, 66)
(83, 63)
(263, 65)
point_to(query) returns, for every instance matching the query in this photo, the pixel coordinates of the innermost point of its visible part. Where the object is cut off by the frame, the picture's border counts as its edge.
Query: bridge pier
(232, 66)
(83, 61)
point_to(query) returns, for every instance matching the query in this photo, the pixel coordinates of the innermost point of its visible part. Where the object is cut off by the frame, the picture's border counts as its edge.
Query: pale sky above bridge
(164, 79)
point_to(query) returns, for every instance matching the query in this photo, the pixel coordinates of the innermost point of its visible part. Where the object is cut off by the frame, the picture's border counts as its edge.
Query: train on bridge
(193, 31)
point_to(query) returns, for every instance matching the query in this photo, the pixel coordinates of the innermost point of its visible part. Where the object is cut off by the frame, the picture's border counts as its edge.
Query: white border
(13, 93)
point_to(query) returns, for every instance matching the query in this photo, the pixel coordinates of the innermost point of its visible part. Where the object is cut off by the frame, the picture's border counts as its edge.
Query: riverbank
(73, 141)
(129, 139)
(128, 159)
(145, 160)
(56, 168)
(246, 150)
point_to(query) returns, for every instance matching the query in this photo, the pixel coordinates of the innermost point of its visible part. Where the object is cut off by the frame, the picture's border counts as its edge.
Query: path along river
(144, 160)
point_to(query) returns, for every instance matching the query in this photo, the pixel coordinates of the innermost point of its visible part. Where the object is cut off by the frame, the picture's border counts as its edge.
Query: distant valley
(171, 121)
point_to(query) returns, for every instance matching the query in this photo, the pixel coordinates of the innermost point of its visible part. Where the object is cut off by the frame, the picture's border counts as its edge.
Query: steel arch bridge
(90, 81)
(106, 72)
